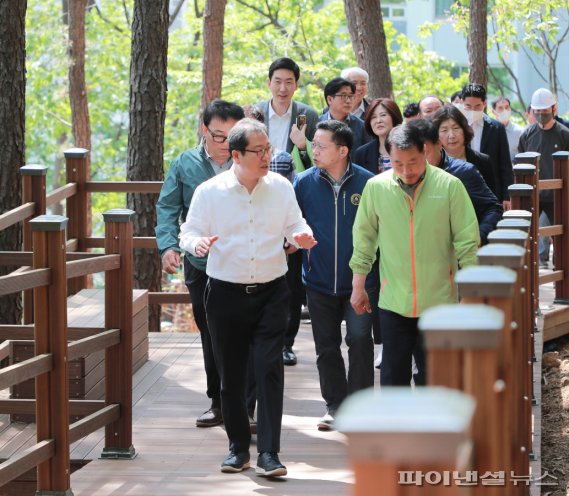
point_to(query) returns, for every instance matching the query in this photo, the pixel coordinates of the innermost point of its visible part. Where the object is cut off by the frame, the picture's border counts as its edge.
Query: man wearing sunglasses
(186, 173)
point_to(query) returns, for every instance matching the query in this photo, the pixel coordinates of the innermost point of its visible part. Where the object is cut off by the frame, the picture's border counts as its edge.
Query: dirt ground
(555, 415)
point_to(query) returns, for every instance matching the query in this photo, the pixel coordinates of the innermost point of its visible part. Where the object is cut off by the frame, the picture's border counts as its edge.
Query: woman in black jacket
(381, 116)
(455, 135)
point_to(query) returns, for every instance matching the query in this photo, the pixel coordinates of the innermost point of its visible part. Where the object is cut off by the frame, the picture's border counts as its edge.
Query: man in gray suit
(281, 113)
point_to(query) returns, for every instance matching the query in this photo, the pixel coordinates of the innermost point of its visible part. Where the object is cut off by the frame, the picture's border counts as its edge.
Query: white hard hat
(542, 99)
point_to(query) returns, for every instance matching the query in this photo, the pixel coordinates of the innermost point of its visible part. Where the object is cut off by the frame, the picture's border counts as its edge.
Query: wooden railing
(48, 279)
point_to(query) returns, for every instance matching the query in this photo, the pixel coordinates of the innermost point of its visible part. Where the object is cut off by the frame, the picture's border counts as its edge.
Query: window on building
(442, 7)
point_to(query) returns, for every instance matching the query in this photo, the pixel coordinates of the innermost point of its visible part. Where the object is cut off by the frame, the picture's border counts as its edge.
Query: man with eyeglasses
(186, 173)
(339, 94)
(241, 218)
(329, 195)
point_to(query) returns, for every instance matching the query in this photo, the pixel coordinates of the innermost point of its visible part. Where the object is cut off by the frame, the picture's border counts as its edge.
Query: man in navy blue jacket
(329, 195)
(488, 208)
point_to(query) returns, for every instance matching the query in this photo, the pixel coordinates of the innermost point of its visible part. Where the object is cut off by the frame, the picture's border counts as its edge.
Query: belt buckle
(251, 288)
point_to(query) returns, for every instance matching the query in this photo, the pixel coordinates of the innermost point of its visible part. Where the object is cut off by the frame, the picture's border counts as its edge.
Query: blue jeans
(544, 241)
(327, 313)
(401, 340)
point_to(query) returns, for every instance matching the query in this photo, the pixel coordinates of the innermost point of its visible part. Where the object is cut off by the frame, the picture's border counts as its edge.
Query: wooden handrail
(94, 421)
(14, 283)
(60, 194)
(26, 332)
(122, 187)
(550, 184)
(556, 275)
(5, 349)
(25, 258)
(72, 244)
(26, 460)
(16, 215)
(555, 230)
(86, 266)
(28, 369)
(165, 298)
(138, 242)
(28, 406)
(90, 344)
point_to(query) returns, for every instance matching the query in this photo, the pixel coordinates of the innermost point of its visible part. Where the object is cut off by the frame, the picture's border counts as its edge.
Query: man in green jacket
(187, 172)
(423, 222)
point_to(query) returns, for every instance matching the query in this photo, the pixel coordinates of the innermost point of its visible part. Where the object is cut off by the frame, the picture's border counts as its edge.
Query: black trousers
(297, 296)
(196, 281)
(401, 340)
(241, 323)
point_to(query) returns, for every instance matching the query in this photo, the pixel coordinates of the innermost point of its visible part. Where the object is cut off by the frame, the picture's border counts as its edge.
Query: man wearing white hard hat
(545, 136)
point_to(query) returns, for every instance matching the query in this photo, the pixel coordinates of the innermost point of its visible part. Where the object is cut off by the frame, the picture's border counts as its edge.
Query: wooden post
(483, 377)
(471, 334)
(52, 389)
(118, 315)
(515, 368)
(561, 216)
(33, 190)
(398, 432)
(77, 163)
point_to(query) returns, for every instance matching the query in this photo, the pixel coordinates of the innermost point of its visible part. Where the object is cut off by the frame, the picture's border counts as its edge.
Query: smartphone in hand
(300, 121)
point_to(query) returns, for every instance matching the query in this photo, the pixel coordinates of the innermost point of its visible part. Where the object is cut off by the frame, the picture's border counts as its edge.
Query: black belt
(248, 288)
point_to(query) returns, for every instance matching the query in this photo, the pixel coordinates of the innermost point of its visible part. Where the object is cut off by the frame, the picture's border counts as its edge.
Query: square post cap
(502, 254)
(524, 170)
(517, 214)
(118, 215)
(486, 281)
(459, 327)
(527, 157)
(514, 236)
(33, 170)
(560, 155)
(520, 190)
(49, 223)
(513, 223)
(425, 424)
(76, 153)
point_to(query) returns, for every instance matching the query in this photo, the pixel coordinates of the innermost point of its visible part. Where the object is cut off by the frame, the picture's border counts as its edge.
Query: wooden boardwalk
(177, 458)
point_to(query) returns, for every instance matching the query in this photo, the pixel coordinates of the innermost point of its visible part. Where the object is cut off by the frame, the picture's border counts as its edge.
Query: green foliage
(312, 33)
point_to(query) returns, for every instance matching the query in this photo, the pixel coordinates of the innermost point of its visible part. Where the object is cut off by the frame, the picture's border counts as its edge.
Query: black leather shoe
(269, 465)
(211, 418)
(236, 462)
(289, 358)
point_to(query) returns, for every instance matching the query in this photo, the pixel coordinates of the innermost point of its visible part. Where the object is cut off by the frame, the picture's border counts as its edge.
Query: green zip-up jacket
(421, 239)
(186, 173)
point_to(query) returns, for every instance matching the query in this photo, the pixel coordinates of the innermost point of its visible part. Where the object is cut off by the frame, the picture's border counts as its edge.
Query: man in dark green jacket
(186, 173)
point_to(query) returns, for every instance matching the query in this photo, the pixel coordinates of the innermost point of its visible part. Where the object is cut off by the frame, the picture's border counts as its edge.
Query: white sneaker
(378, 357)
(414, 369)
(326, 423)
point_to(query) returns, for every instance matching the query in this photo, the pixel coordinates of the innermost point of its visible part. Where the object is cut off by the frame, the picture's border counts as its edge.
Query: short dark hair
(474, 90)
(451, 112)
(335, 84)
(456, 94)
(341, 133)
(405, 137)
(222, 110)
(389, 105)
(285, 63)
(254, 112)
(411, 109)
(239, 135)
(500, 99)
(427, 128)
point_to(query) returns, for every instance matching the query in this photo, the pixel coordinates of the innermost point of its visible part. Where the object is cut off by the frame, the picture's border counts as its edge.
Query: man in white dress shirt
(241, 218)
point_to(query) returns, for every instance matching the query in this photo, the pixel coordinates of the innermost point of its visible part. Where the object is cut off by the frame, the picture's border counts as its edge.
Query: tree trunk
(148, 92)
(365, 24)
(12, 135)
(212, 67)
(478, 42)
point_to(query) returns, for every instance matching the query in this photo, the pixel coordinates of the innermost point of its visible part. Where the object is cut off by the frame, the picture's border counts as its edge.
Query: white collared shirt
(477, 127)
(279, 126)
(218, 168)
(251, 227)
(360, 111)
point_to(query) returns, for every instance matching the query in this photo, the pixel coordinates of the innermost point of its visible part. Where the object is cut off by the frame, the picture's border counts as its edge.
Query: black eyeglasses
(344, 96)
(261, 153)
(217, 138)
